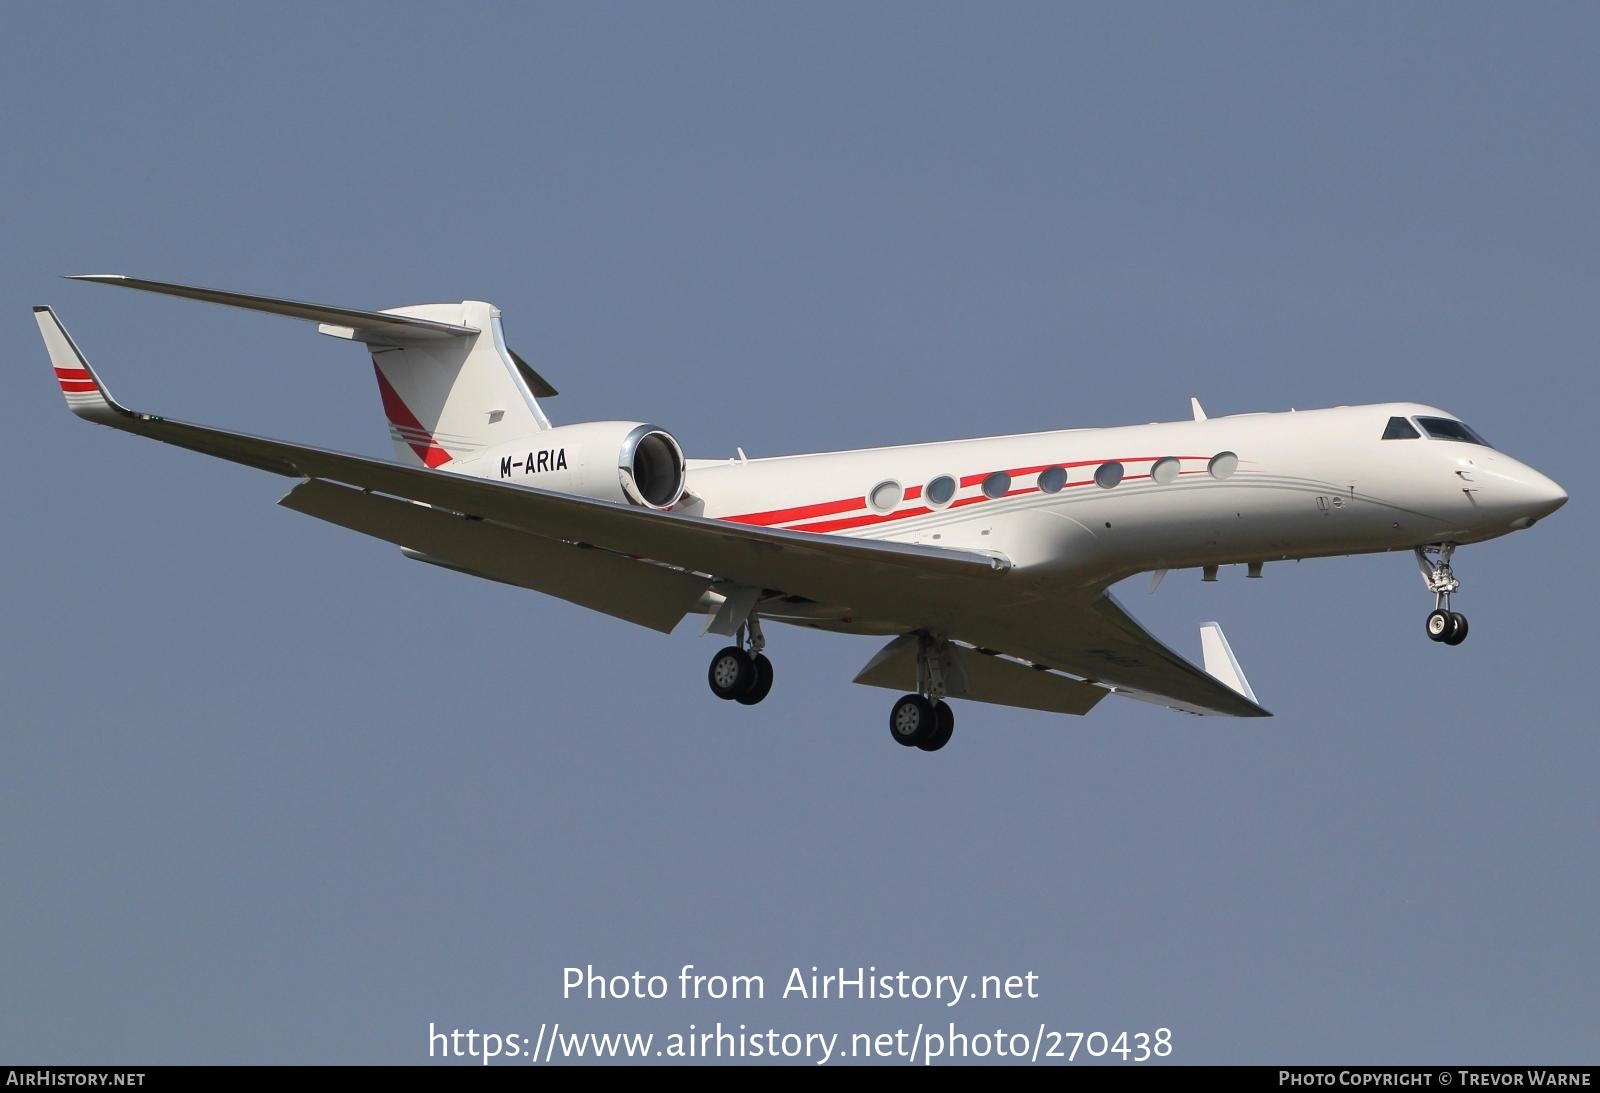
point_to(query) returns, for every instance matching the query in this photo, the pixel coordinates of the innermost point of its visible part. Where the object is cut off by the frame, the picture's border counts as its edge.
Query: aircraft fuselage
(1226, 490)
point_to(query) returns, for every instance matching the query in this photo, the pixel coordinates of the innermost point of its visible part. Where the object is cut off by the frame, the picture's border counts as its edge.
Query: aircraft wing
(1102, 642)
(1049, 654)
(830, 569)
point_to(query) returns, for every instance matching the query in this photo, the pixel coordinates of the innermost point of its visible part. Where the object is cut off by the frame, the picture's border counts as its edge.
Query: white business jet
(987, 561)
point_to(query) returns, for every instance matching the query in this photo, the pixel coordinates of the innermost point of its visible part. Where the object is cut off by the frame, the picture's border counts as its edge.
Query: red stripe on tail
(401, 417)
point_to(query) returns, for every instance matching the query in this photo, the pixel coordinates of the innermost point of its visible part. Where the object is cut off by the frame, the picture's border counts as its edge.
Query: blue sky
(270, 792)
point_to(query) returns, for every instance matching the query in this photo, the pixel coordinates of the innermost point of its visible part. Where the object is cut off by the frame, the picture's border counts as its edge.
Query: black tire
(913, 720)
(1458, 629)
(945, 722)
(762, 684)
(732, 673)
(1439, 625)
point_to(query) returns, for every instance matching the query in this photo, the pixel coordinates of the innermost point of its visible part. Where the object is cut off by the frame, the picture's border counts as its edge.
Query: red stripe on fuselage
(860, 521)
(400, 416)
(850, 504)
(802, 512)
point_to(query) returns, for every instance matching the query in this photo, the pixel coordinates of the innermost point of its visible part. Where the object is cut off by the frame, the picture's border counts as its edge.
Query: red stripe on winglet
(73, 387)
(72, 374)
(400, 415)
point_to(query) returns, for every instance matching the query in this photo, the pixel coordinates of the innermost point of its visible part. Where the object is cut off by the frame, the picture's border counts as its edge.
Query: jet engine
(624, 461)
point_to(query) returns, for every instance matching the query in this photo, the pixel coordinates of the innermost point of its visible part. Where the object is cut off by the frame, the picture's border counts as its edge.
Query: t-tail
(449, 384)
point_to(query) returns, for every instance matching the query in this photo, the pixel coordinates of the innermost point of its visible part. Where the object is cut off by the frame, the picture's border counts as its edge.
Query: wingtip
(84, 391)
(1218, 659)
(37, 308)
(103, 277)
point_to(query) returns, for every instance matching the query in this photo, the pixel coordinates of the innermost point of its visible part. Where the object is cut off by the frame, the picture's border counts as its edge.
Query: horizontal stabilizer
(1220, 662)
(364, 326)
(540, 386)
(982, 677)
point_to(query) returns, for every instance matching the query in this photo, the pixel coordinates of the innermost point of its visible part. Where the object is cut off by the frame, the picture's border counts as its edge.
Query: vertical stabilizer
(448, 399)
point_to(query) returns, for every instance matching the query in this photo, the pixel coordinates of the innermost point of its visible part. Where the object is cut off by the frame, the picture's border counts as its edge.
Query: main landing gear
(918, 721)
(740, 673)
(924, 720)
(1444, 624)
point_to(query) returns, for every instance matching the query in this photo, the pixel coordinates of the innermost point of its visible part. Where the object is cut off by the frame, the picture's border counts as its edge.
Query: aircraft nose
(1537, 496)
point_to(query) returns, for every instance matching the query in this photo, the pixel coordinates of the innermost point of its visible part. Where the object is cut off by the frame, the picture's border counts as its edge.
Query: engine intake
(651, 468)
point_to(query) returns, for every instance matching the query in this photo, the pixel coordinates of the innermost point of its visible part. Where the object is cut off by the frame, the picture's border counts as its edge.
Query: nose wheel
(1444, 624)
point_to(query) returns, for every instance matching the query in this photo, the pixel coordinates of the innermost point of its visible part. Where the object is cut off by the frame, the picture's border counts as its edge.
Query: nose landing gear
(1444, 624)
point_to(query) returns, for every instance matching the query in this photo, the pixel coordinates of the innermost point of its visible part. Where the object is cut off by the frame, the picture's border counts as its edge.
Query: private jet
(985, 562)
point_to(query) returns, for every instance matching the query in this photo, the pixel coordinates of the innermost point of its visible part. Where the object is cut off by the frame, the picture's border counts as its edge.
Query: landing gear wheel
(732, 673)
(760, 685)
(1440, 625)
(913, 720)
(944, 727)
(1458, 629)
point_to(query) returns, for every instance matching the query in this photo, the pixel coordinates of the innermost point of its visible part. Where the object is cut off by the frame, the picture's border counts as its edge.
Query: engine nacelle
(612, 460)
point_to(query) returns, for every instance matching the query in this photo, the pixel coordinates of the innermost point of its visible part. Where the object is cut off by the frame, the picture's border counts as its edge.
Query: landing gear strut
(924, 720)
(740, 673)
(1444, 624)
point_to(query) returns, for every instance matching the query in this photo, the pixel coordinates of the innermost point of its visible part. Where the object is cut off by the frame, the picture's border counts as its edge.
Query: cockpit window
(1400, 429)
(1443, 428)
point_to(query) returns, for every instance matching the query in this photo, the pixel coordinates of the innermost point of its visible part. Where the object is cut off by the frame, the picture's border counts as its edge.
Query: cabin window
(939, 492)
(1444, 428)
(1165, 470)
(1051, 479)
(1400, 429)
(996, 484)
(886, 495)
(1108, 475)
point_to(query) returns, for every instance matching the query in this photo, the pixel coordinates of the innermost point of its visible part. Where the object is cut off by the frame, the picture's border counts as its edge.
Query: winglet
(1220, 661)
(1199, 411)
(84, 391)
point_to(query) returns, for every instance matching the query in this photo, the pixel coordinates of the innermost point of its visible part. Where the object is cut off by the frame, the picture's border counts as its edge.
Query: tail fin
(449, 385)
(448, 399)
(86, 395)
